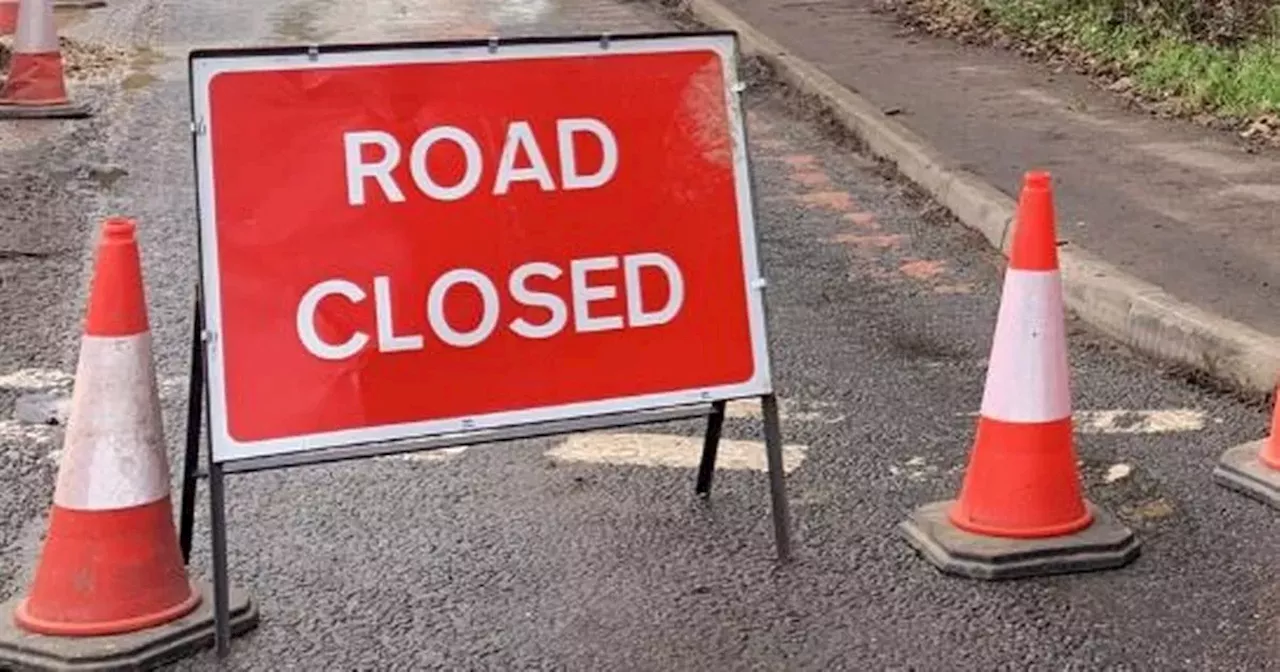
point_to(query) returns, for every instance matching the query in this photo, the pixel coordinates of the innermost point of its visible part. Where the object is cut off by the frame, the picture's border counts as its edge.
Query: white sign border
(205, 66)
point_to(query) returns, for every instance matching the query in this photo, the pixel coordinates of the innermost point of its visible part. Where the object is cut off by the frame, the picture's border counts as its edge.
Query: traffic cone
(8, 17)
(9, 11)
(110, 590)
(1253, 469)
(111, 562)
(1022, 480)
(1021, 511)
(35, 87)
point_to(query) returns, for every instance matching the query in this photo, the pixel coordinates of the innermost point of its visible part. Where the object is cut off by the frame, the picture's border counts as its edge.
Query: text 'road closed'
(396, 240)
(574, 311)
(520, 146)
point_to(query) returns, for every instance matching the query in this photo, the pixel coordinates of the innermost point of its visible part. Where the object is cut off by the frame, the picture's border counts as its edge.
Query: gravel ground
(501, 557)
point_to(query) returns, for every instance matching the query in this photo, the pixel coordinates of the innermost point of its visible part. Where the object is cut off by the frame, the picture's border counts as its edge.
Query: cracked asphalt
(503, 557)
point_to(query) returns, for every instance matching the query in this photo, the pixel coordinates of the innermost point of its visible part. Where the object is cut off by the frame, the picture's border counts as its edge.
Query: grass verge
(1151, 59)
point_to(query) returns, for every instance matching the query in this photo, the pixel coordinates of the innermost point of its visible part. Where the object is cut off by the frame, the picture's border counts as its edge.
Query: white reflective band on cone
(1027, 377)
(114, 454)
(37, 33)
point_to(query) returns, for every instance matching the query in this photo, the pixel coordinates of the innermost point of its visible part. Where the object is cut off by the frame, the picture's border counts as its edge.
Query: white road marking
(666, 450)
(19, 437)
(35, 379)
(38, 380)
(42, 408)
(13, 430)
(439, 455)
(1117, 472)
(918, 469)
(790, 410)
(660, 450)
(1121, 421)
(48, 398)
(1141, 422)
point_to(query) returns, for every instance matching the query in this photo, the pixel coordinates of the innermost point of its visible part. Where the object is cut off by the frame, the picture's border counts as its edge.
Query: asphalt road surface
(583, 552)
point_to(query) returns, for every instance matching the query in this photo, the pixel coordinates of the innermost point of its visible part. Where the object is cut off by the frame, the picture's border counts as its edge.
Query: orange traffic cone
(1022, 479)
(111, 562)
(1021, 486)
(1270, 453)
(8, 17)
(110, 590)
(9, 11)
(35, 87)
(1253, 469)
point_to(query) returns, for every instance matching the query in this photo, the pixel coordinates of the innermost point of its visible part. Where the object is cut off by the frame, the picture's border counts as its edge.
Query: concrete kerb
(1132, 311)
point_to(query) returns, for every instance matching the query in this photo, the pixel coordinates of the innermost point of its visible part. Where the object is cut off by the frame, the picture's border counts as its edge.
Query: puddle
(1131, 492)
(1151, 510)
(141, 63)
(106, 176)
(919, 346)
(145, 57)
(137, 80)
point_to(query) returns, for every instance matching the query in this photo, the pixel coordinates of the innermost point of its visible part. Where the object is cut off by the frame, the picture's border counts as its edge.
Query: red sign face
(422, 240)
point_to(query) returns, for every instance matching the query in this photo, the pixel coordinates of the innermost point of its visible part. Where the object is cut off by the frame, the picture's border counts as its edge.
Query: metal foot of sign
(707, 467)
(777, 488)
(524, 257)
(233, 612)
(773, 455)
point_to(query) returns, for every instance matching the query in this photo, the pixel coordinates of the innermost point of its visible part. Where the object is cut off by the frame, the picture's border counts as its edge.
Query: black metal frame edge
(520, 432)
(348, 47)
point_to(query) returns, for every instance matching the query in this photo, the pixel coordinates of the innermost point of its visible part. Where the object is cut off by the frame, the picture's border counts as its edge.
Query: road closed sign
(402, 241)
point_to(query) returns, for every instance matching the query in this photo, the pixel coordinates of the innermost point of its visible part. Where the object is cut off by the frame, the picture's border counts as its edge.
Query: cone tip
(117, 306)
(1035, 239)
(119, 230)
(1037, 179)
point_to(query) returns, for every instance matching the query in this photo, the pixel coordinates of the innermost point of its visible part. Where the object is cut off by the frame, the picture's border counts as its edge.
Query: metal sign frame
(207, 67)
(704, 404)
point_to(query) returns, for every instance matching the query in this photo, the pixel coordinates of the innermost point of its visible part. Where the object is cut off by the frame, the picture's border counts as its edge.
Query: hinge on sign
(198, 127)
(759, 283)
(208, 336)
(493, 44)
(739, 87)
(604, 41)
(313, 52)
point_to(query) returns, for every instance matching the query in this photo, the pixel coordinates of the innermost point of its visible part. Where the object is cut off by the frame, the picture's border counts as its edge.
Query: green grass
(1238, 81)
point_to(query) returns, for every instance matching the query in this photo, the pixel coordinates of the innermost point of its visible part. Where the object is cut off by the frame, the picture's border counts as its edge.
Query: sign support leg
(221, 590)
(191, 459)
(777, 488)
(707, 468)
